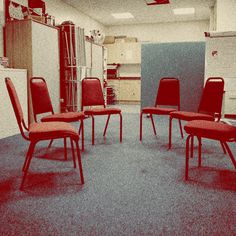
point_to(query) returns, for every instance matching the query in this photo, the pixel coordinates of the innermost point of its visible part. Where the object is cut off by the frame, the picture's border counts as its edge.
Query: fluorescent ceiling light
(124, 15)
(156, 2)
(184, 11)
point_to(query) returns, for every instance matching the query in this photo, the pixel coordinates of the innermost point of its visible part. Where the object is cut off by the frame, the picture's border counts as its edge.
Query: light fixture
(156, 2)
(184, 11)
(123, 15)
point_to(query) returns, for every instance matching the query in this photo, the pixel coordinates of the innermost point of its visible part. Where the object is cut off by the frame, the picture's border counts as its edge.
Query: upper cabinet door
(124, 53)
(113, 53)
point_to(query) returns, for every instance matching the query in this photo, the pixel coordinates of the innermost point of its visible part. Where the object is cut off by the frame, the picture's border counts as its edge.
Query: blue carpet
(131, 188)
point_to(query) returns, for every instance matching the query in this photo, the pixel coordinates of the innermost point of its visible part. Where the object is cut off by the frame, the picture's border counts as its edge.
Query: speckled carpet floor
(131, 188)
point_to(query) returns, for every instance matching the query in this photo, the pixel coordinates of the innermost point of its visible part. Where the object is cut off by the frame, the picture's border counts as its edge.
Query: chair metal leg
(199, 151)
(105, 129)
(27, 164)
(121, 125)
(192, 146)
(65, 149)
(73, 152)
(92, 130)
(141, 127)
(180, 128)
(170, 131)
(223, 147)
(153, 125)
(50, 144)
(26, 159)
(80, 163)
(81, 130)
(187, 157)
(230, 154)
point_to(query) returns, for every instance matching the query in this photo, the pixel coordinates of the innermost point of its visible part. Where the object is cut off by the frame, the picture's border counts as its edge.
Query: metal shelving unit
(72, 62)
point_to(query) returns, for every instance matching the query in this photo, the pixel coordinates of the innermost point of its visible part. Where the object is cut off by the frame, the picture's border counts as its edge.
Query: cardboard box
(109, 40)
(120, 39)
(130, 40)
(37, 18)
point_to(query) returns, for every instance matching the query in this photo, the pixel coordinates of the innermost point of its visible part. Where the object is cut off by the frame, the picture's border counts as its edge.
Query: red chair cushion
(102, 111)
(211, 130)
(157, 110)
(188, 116)
(51, 130)
(65, 117)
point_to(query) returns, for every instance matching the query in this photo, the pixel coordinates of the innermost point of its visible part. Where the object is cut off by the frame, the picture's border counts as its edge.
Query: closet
(34, 46)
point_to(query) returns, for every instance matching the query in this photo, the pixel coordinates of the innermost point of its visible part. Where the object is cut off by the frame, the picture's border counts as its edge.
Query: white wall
(164, 32)
(63, 12)
(226, 16)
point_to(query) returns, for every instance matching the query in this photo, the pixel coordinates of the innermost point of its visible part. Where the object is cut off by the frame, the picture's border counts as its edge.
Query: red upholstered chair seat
(51, 130)
(188, 116)
(66, 117)
(157, 110)
(102, 111)
(37, 132)
(211, 130)
(42, 104)
(167, 101)
(209, 107)
(92, 95)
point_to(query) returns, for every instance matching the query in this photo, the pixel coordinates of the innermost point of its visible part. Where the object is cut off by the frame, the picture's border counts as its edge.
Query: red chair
(167, 100)
(210, 130)
(92, 96)
(42, 131)
(209, 107)
(42, 104)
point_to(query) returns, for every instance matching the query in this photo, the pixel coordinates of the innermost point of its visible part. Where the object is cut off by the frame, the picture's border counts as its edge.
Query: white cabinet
(34, 46)
(124, 53)
(126, 90)
(129, 90)
(8, 123)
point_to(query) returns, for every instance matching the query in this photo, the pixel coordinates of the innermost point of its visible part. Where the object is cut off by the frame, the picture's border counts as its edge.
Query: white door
(45, 59)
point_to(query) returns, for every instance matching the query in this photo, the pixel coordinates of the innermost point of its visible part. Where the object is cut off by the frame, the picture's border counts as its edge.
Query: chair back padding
(14, 100)
(168, 92)
(16, 107)
(41, 100)
(92, 94)
(212, 97)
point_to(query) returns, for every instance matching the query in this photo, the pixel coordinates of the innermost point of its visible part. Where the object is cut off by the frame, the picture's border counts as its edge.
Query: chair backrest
(41, 100)
(212, 97)
(168, 92)
(92, 94)
(16, 106)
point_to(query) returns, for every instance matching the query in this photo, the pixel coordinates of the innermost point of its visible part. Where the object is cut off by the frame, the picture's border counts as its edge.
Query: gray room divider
(184, 60)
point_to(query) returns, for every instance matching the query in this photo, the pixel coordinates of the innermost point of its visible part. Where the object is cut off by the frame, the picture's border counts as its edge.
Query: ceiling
(101, 10)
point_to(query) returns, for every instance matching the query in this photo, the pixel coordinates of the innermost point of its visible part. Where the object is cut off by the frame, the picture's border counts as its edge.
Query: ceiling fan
(156, 2)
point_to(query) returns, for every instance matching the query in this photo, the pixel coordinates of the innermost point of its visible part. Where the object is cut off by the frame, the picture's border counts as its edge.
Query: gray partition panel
(185, 60)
